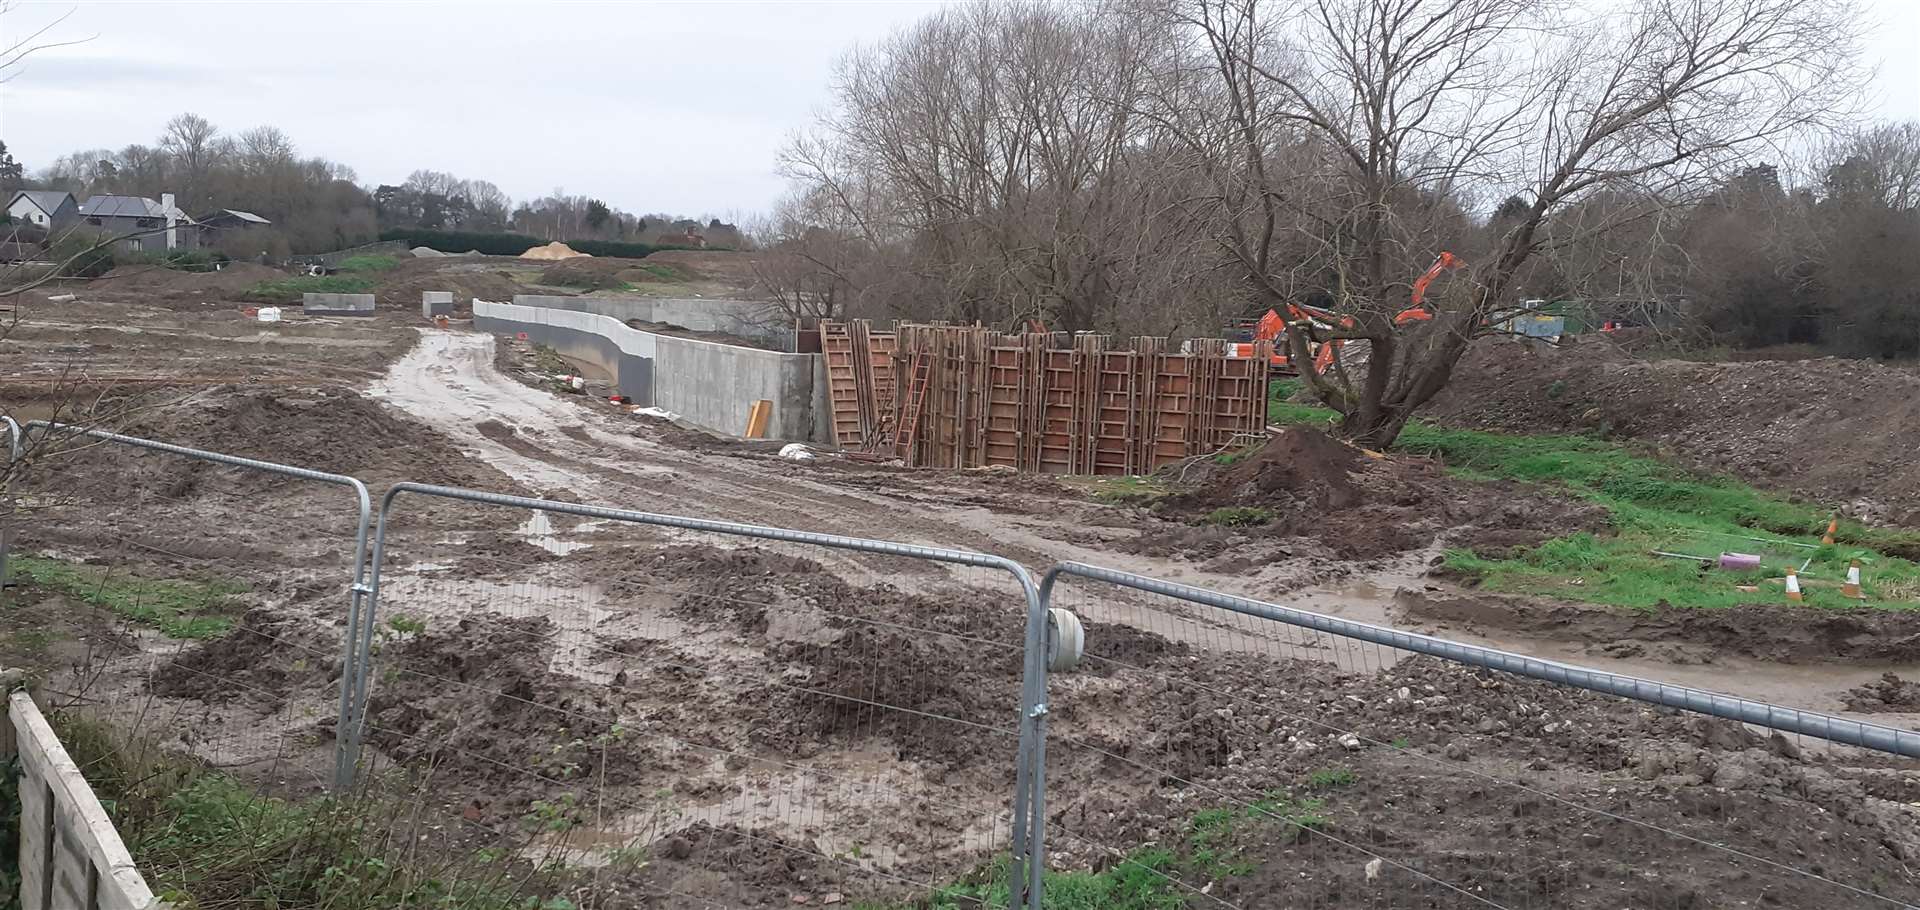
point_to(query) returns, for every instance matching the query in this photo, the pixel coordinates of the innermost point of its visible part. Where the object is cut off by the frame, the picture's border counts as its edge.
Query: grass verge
(1652, 506)
(179, 608)
(367, 264)
(288, 290)
(1145, 879)
(204, 839)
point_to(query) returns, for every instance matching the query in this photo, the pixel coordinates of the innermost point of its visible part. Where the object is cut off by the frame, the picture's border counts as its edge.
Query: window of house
(136, 245)
(94, 221)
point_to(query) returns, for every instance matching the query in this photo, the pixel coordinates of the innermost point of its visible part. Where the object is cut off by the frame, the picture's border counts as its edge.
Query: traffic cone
(1793, 585)
(1851, 590)
(1833, 524)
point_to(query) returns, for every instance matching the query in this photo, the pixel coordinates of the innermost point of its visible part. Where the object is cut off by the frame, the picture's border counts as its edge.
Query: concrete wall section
(753, 319)
(625, 354)
(336, 304)
(70, 854)
(709, 385)
(436, 303)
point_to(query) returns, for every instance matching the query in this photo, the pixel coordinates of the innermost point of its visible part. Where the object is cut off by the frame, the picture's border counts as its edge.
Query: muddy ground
(777, 725)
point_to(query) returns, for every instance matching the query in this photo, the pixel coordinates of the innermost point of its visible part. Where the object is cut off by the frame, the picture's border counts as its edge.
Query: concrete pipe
(1066, 640)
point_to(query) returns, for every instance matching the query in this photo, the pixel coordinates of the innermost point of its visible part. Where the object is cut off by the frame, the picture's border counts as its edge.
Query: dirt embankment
(1840, 432)
(1773, 632)
(1304, 484)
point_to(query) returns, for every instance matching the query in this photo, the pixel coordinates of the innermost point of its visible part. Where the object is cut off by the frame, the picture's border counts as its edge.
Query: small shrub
(1239, 516)
(1555, 389)
(1330, 778)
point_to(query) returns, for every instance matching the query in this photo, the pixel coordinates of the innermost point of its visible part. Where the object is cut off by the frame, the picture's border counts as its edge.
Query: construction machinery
(1272, 327)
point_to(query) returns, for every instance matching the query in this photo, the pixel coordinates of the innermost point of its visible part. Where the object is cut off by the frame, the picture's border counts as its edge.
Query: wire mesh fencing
(193, 594)
(700, 712)
(1212, 758)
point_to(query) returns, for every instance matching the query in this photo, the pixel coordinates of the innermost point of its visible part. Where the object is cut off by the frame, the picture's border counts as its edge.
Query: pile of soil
(1887, 695)
(149, 282)
(1362, 505)
(1773, 632)
(261, 661)
(400, 288)
(1839, 432)
(435, 702)
(319, 428)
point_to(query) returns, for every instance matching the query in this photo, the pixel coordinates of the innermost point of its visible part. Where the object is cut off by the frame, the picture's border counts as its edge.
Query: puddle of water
(538, 530)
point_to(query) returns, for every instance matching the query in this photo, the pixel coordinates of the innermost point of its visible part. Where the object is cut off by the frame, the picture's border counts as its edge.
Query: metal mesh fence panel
(203, 603)
(671, 712)
(1209, 758)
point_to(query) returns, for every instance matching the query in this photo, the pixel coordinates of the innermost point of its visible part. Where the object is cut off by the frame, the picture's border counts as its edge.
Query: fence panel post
(425, 590)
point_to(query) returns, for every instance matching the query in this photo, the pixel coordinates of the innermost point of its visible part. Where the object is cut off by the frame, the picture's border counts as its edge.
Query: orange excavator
(1273, 328)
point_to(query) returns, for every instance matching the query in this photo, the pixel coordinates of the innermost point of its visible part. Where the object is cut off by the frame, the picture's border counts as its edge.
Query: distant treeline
(501, 244)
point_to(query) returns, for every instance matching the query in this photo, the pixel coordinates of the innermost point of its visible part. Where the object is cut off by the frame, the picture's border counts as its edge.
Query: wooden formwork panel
(1054, 403)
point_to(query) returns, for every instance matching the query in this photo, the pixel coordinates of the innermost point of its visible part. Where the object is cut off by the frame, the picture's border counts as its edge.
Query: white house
(50, 209)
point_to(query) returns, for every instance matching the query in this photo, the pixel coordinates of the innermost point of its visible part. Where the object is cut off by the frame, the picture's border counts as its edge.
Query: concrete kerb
(1700, 701)
(1029, 797)
(343, 771)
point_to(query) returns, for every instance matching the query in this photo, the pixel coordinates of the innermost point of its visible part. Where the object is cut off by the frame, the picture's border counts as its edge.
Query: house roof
(48, 200)
(247, 217)
(121, 207)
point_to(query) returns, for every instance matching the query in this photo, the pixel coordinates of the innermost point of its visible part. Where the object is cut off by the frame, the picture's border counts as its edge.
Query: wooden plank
(77, 848)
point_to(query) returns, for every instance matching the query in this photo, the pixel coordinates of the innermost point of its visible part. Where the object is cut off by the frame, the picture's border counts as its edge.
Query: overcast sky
(675, 107)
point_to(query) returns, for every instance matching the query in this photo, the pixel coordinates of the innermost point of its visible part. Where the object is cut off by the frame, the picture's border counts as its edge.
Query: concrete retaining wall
(746, 318)
(709, 385)
(336, 304)
(436, 303)
(70, 854)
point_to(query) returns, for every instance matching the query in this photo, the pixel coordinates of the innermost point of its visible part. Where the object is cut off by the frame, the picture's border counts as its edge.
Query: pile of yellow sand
(554, 250)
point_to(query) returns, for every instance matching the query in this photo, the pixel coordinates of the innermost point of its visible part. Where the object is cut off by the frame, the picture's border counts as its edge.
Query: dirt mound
(1775, 632)
(1305, 484)
(1839, 432)
(400, 288)
(554, 250)
(262, 660)
(322, 429)
(155, 282)
(479, 698)
(1301, 466)
(1888, 694)
(721, 266)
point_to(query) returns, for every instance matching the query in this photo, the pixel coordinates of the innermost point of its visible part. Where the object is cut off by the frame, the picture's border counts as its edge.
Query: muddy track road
(564, 449)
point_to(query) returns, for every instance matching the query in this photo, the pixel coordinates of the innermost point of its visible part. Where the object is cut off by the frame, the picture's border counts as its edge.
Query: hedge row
(511, 244)
(462, 241)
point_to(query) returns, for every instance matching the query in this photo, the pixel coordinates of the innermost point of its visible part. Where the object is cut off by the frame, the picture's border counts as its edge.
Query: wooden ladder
(842, 385)
(917, 382)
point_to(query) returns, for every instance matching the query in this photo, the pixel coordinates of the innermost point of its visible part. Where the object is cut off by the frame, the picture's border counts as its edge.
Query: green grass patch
(1331, 779)
(1130, 490)
(179, 608)
(661, 271)
(204, 839)
(1238, 517)
(288, 290)
(367, 264)
(1652, 506)
(1144, 879)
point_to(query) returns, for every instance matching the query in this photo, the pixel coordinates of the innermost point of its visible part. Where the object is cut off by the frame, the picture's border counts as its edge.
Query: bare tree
(1403, 114)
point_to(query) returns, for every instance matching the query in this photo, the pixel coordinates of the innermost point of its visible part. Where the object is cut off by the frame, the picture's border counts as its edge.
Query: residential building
(229, 220)
(52, 210)
(148, 226)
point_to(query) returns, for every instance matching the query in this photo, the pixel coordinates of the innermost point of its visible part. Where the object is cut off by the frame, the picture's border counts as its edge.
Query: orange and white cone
(1833, 524)
(1851, 590)
(1793, 585)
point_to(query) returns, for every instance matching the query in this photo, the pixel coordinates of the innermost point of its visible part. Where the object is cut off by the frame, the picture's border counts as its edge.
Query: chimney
(166, 210)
